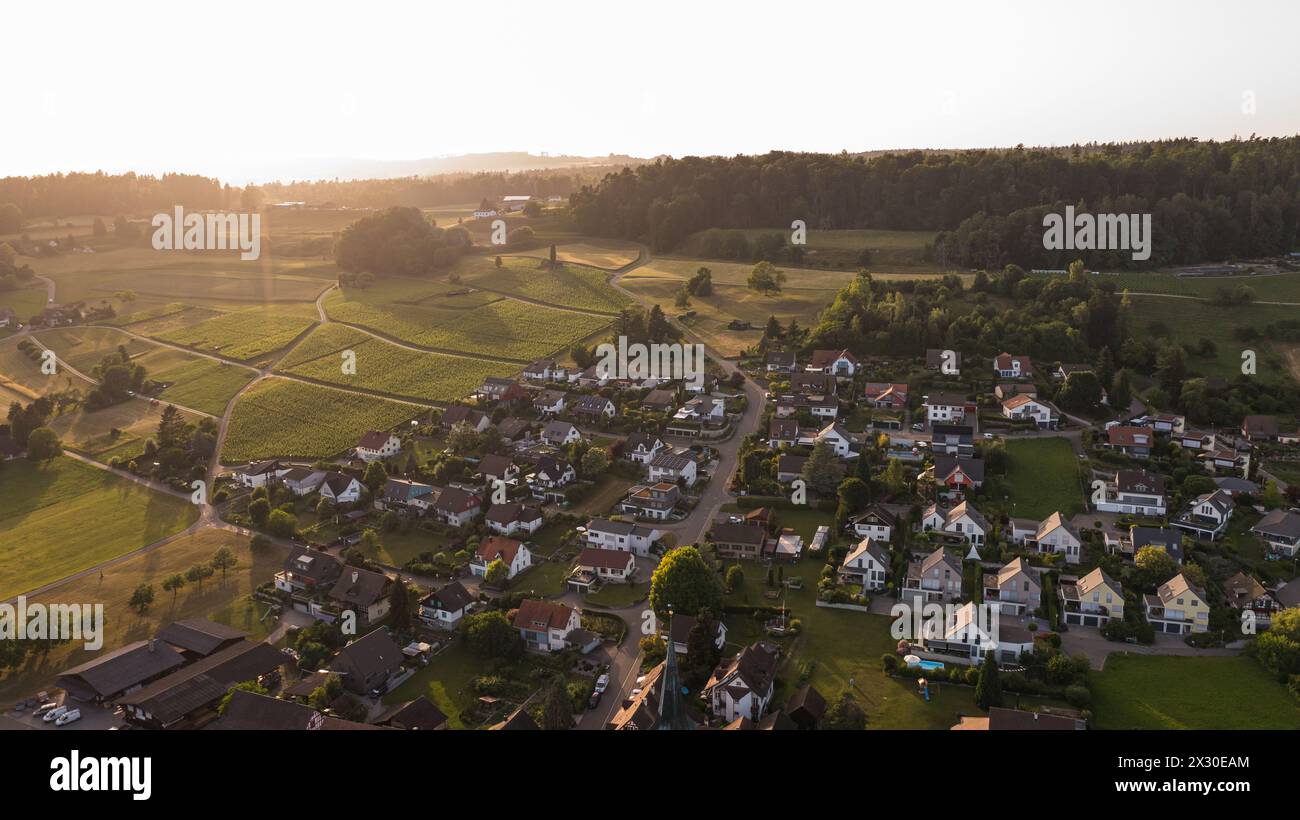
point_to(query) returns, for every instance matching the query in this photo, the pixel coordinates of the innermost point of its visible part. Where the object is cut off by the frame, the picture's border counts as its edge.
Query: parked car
(602, 683)
(54, 714)
(918, 427)
(45, 707)
(988, 436)
(594, 701)
(68, 717)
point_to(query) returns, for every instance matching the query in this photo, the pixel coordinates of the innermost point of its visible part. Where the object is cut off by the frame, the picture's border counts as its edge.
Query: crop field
(892, 252)
(85, 347)
(387, 368)
(26, 303)
(224, 600)
(203, 384)
(504, 329)
(278, 417)
(169, 317)
(569, 285)
(245, 335)
(45, 511)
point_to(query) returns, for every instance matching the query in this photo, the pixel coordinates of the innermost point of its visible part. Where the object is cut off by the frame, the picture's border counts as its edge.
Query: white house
(545, 370)
(839, 438)
(963, 520)
(875, 523)
(669, 467)
(1207, 516)
(1134, 492)
(967, 638)
(514, 554)
(622, 535)
(560, 434)
(945, 407)
(742, 686)
(550, 402)
(1013, 367)
(302, 480)
(340, 488)
(1025, 407)
(642, 447)
(866, 565)
(514, 517)
(261, 473)
(596, 564)
(545, 625)
(445, 607)
(839, 363)
(1055, 535)
(375, 445)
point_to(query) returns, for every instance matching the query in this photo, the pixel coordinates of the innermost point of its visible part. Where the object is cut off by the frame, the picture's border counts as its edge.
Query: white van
(68, 717)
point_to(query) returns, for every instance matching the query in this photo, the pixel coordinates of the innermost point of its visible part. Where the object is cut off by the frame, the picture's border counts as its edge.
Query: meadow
(387, 368)
(224, 600)
(569, 285)
(203, 384)
(117, 431)
(1184, 321)
(609, 254)
(1170, 692)
(1043, 478)
(892, 252)
(278, 417)
(47, 509)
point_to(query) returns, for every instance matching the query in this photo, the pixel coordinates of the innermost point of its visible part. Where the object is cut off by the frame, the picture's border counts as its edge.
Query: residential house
(782, 433)
(622, 535)
(780, 361)
(303, 480)
(957, 473)
(456, 507)
(935, 578)
(886, 395)
(1014, 589)
(1055, 535)
(673, 468)
(654, 501)
(494, 468)
(417, 715)
(738, 540)
(1207, 516)
(1195, 440)
(947, 408)
(495, 388)
(1006, 366)
(370, 664)
(659, 401)
(593, 407)
(818, 405)
(789, 467)
(550, 402)
(876, 523)
(1027, 408)
(592, 377)
(307, 574)
(443, 608)
(809, 383)
(966, 638)
(1245, 594)
(866, 565)
(364, 593)
(839, 363)
(1259, 428)
(1178, 607)
(1164, 538)
(741, 686)
(514, 554)
(679, 632)
(476, 420)
(1280, 529)
(553, 473)
(1093, 600)
(514, 517)
(1006, 390)
(1134, 492)
(545, 370)
(515, 429)
(1170, 424)
(1133, 441)
(843, 443)
(963, 520)
(376, 445)
(703, 409)
(406, 497)
(261, 473)
(546, 625)
(952, 439)
(642, 447)
(560, 434)
(595, 565)
(341, 488)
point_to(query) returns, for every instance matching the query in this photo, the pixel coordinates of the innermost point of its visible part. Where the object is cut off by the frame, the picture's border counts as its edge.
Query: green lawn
(1042, 478)
(64, 516)
(1165, 692)
(618, 596)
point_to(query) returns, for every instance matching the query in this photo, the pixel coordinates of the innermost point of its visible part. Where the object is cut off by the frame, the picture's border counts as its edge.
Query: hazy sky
(224, 88)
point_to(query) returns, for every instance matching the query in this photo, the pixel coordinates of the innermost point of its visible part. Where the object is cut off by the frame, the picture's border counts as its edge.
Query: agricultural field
(46, 510)
(203, 384)
(25, 302)
(1170, 692)
(1043, 478)
(892, 252)
(85, 347)
(278, 417)
(160, 320)
(246, 335)
(609, 254)
(224, 600)
(505, 329)
(119, 431)
(570, 285)
(387, 368)
(1276, 287)
(21, 378)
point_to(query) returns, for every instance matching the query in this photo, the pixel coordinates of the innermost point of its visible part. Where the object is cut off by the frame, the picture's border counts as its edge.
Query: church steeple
(672, 712)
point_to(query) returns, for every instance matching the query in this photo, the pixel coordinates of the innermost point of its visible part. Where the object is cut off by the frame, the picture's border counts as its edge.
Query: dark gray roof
(132, 665)
(195, 686)
(451, 598)
(1280, 522)
(737, 534)
(417, 714)
(360, 586)
(369, 655)
(250, 711)
(200, 636)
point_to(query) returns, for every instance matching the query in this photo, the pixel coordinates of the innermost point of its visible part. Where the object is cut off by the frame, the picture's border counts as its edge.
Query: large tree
(683, 582)
(988, 687)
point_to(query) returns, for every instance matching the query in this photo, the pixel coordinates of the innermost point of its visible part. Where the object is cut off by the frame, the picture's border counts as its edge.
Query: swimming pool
(929, 666)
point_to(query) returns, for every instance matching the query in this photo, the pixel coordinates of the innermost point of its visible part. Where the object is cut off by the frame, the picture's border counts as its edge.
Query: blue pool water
(929, 666)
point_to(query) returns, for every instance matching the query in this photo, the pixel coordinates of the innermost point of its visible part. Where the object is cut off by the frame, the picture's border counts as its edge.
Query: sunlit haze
(233, 89)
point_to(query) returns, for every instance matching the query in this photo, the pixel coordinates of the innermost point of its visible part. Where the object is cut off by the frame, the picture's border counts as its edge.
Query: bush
(1078, 696)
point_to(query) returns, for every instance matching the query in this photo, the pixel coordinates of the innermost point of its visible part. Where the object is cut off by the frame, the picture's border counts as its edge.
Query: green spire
(672, 713)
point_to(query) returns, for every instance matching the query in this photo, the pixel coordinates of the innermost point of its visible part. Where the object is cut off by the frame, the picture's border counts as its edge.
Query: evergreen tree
(988, 688)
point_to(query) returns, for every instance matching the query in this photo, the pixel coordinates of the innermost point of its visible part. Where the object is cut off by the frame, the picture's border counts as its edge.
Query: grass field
(26, 302)
(277, 417)
(569, 285)
(223, 600)
(1042, 478)
(119, 431)
(1187, 322)
(387, 368)
(1281, 287)
(1167, 692)
(892, 252)
(21, 378)
(609, 254)
(47, 511)
(203, 384)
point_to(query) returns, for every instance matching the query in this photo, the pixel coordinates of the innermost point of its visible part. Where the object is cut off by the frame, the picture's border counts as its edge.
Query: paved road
(1089, 642)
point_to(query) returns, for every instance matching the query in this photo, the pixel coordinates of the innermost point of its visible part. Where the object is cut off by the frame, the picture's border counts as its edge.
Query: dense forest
(1209, 200)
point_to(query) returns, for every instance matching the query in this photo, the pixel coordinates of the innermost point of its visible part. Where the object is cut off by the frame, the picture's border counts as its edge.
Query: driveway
(1089, 642)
